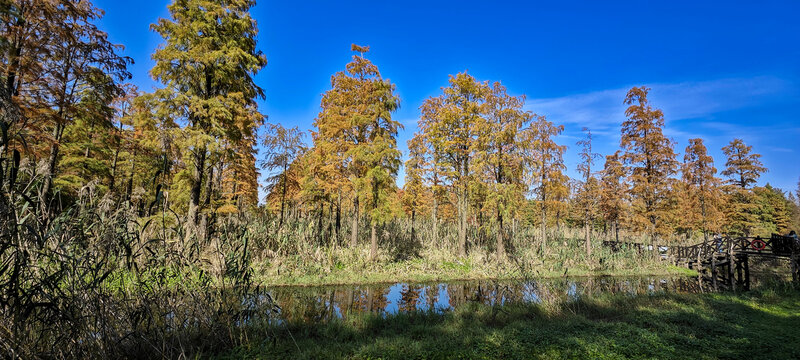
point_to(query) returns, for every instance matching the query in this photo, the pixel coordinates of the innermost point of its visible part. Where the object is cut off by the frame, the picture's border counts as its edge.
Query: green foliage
(207, 64)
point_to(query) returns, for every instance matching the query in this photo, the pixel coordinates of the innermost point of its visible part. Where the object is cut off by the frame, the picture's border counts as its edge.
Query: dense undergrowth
(343, 265)
(103, 278)
(300, 253)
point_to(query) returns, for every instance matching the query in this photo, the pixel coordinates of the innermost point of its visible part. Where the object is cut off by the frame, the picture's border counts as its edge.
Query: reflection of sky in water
(530, 293)
(422, 304)
(323, 303)
(393, 298)
(572, 291)
(443, 299)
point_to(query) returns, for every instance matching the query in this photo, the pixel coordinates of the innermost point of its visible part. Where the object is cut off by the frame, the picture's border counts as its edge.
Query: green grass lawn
(761, 324)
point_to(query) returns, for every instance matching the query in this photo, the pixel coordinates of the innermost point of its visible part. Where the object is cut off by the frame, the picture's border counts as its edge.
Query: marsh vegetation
(131, 223)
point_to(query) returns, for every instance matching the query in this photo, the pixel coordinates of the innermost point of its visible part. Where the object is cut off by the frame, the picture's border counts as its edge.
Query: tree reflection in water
(315, 304)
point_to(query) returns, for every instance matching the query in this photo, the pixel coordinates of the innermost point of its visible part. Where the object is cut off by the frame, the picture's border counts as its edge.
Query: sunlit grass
(756, 325)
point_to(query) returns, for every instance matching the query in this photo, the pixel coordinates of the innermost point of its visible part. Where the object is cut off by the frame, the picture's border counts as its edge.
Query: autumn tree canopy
(206, 64)
(650, 160)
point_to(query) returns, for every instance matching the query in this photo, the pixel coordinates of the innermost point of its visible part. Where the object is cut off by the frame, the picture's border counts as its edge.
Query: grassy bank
(761, 324)
(342, 265)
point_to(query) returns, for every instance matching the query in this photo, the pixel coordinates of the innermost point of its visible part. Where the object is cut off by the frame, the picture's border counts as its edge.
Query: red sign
(758, 244)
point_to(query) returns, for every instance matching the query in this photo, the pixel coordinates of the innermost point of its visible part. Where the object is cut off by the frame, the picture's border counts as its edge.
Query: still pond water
(315, 304)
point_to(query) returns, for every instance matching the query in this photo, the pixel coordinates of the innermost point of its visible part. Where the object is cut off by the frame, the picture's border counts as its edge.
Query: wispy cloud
(602, 110)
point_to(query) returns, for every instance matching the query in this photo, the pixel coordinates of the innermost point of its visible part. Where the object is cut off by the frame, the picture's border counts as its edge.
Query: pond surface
(315, 304)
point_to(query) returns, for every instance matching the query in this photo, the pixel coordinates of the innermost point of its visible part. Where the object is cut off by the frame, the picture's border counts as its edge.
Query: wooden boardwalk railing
(725, 260)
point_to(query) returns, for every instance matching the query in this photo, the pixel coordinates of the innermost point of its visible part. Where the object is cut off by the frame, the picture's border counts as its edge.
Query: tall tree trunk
(129, 187)
(587, 238)
(113, 179)
(10, 89)
(435, 219)
(543, 228)
(338, 216)
(283, 197)
(373, 248)
(462, 222)
(501, 248)
(331, 235)
(544, 208)
(52, 159)
(413, 224)
(205, 221)
(319, 223)
(354, 228)
(194, 198)
(703, 214)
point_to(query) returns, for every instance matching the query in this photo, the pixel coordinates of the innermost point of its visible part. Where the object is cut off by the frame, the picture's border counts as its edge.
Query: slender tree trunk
(544, 207)
(52, 159)
(501, 248)
(543, 227)
(338, 216)
(413, 224)
(194, 198)
(703, 214)
(129, 189)
(462, 222)
(205, 221)
(331, 235)
(113, 179)
(283, 197)
(354, 229)
(373, 248)
(435, 219)
(320, 235)
(587, 238)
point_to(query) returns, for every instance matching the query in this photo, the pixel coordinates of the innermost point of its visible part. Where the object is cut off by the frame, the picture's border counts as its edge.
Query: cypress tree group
(545, 169)
(282, 146)
(357, 138)
(451, 124)
(206, 64)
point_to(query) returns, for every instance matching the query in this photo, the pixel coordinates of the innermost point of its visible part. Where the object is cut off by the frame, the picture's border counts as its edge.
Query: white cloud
(604, 109)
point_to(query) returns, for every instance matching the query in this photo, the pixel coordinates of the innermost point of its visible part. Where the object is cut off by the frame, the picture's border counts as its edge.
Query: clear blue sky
(719, 70)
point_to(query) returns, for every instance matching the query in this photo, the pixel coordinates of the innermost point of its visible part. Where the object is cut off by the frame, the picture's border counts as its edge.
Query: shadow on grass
(762, 324)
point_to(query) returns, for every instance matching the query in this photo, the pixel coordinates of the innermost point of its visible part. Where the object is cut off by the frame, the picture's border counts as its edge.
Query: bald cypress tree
(650, 160)
(358, 136)
(612, 201)
(206, 64)
(451, 123)
(545, 168)
(743, 168)
(500, 162)
(415, 192)
(282, 147)
(77, 74)
(589, 187)
(701, 203)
